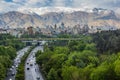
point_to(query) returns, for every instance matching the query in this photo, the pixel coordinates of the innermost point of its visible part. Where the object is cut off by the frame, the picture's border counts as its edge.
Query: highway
(32, 71)
(13, 70)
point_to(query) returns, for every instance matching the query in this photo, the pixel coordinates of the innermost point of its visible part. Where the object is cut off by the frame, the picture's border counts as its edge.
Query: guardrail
(50, 39)
(41, 39)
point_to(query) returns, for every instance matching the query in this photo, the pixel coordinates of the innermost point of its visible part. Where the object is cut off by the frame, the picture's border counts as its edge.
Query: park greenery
(8, 48)
(7, 54)
(94, 57)
(8, 40)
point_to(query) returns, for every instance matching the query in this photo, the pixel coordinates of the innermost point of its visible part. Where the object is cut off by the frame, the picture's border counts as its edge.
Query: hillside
(95, 19)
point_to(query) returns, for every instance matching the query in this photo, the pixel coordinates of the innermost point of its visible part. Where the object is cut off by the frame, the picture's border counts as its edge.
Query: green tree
(117, 67)
(52, 75)
(2, 72)
(103, 72)
(70, 73)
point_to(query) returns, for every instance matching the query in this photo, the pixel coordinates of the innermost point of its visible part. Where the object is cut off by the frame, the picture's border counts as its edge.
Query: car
(16, 66)
(13, 67)
(27, 63)
(13, 73)
(28, 68)
(10, 69)
(38, 78)
(31, 64)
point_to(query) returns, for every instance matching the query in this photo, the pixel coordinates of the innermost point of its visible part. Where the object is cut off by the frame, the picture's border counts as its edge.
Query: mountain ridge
(44, 10)
(97, 18)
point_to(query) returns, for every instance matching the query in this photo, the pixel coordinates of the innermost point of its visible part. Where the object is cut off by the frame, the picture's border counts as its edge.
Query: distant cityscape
(50, 30)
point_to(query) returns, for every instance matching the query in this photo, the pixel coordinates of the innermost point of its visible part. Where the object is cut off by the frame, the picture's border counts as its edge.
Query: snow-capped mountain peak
(44, 10)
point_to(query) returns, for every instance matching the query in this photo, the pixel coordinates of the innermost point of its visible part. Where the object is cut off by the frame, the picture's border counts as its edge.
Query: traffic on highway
(13, 70)
(32, 71)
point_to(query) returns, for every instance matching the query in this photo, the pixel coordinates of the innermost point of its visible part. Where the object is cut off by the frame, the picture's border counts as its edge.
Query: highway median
(20, 71)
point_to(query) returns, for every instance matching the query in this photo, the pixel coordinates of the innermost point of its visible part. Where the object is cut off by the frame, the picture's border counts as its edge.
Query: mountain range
(96, 17)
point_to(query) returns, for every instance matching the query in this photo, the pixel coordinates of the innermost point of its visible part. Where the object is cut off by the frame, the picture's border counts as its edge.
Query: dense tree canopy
(94, 57)
(8, 40)
(8, 47)
(7, 54)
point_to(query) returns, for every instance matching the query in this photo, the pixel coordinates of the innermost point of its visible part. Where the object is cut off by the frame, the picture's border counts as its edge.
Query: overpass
(41, 41)
(47, 39)
(38, 41)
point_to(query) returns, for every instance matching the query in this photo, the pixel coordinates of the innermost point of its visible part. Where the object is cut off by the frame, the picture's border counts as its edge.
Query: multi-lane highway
(32, 71)
(13, 70)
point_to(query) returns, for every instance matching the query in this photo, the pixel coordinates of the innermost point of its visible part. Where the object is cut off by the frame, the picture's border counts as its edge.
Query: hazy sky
(10, 5)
